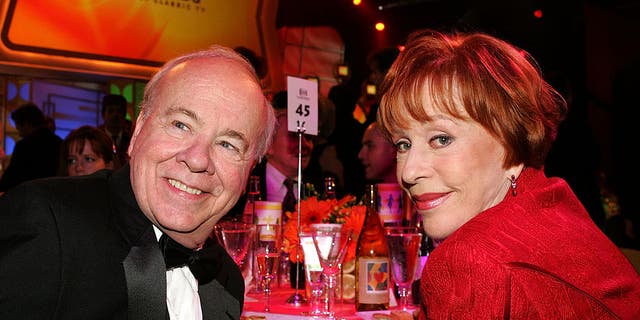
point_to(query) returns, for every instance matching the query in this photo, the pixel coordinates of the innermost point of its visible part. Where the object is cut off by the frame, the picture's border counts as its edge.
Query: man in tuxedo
(135, 243)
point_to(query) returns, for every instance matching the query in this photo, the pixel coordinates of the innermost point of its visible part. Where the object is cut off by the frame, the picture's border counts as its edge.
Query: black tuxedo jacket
(80, 248)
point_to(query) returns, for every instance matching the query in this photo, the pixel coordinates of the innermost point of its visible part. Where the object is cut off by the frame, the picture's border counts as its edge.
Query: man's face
(113, 114)
(23, 129)
(283, 154)
(378, 156)
(191, 156)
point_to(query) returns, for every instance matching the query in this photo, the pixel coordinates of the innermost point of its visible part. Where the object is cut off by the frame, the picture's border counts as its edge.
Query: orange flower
(313, 211)
(354, 220)
(290, 238)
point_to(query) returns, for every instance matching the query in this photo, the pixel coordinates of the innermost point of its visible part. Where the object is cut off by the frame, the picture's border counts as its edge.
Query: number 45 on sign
(302, 106)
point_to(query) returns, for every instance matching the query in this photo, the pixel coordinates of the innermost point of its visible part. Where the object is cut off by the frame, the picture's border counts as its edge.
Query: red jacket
(537, 255)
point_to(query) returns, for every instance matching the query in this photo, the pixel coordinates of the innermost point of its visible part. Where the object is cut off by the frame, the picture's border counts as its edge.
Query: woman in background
(472, 120)
(86, 150)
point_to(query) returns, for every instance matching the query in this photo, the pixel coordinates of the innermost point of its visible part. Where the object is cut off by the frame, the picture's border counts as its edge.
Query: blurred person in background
(378, 156)
(37, 154)
(116, 125)
(280, 164)
(86, 150)
(473, 120)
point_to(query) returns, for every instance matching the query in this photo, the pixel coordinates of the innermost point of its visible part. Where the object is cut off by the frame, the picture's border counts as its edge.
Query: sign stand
(302, 118)
(297, 298)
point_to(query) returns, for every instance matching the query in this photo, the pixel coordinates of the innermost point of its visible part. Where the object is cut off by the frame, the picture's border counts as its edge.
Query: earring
(513, 185)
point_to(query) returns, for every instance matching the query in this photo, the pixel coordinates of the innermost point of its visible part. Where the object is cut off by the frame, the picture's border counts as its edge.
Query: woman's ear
(515, 171)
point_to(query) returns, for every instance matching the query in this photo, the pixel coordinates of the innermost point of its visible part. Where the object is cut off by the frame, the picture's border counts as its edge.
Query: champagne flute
(313, 274)
(237, 239)
(331, 246)
(267, 252)
(404, 247)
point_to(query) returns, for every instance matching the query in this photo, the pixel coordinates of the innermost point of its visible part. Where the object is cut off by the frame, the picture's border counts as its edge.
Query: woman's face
(451, 167)
(84, 162)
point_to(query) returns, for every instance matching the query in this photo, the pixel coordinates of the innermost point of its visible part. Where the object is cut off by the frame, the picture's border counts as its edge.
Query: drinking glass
(267, 252)
(313, 274)
(237, 239)
(331, 247)
(404, 248)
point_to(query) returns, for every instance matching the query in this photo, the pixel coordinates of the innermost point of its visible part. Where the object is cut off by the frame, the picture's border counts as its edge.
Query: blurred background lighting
(379, 26)
(537, 13)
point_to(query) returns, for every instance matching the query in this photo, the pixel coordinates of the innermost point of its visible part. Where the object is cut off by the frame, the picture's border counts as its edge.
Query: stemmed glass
(267, 252)
(313, 274)
(237, 239)
(331, 246)
(404, 247)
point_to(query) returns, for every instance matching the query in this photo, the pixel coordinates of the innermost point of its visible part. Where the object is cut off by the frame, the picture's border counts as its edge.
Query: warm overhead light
(371, 89)
(379, 26)
(357, 2)
(537, 13)
(343, 70)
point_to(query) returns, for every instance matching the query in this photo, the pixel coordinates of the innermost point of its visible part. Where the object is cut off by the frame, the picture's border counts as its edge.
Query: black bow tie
(204, 263)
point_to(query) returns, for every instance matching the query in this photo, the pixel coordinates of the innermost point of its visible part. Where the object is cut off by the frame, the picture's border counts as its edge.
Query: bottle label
(268, 212)
(373, 280)
(389, 203)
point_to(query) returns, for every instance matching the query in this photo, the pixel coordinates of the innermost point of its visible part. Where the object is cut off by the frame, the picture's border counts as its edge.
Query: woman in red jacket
(472, 120)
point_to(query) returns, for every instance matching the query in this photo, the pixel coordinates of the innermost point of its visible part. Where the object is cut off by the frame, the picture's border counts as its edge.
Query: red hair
(498, 85)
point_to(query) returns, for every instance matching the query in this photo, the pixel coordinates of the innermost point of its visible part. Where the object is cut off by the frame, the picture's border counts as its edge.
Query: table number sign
(302, 106)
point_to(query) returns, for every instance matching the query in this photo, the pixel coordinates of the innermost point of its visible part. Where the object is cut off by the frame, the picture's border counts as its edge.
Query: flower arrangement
(345, 211)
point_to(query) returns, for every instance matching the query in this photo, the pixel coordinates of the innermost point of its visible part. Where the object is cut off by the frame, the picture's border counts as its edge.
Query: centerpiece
(346, 211)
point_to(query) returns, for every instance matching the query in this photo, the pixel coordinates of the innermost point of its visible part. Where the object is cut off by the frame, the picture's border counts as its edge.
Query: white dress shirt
(183, 301)
(275, 184)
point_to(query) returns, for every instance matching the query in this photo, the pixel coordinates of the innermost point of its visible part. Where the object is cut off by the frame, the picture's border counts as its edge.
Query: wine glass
(331, 246)
(237, 239)
(267, 252)
(404, 247)
(313, 274)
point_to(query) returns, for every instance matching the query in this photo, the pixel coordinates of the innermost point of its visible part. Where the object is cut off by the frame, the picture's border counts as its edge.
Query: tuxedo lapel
(146, 281)
(217, 303)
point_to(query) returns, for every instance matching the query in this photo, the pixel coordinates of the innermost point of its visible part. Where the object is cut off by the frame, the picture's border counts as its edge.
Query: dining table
(280, 309)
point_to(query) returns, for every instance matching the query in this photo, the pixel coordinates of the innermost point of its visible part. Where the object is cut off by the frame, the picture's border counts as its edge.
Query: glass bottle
(253, 195)
(248, 216)
(372, 260)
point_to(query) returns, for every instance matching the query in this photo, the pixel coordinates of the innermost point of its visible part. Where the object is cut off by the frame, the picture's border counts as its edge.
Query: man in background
(280, 166)
(34, 156)
(116, 125)
(378, 156)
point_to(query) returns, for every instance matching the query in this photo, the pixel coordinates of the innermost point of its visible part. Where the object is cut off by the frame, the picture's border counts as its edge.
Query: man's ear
(136, 130)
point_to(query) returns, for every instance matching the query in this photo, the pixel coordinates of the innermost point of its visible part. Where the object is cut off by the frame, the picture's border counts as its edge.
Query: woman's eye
(89, 159)
(71, 161)
(441, 141)
(403, 146)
